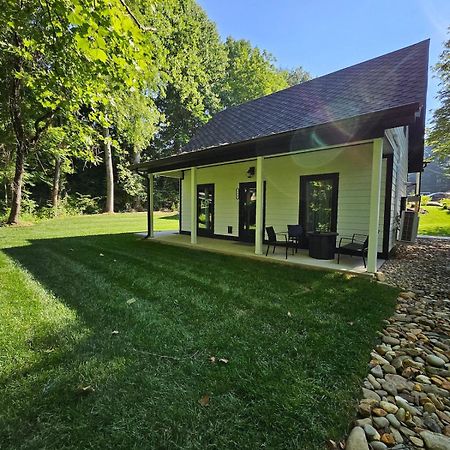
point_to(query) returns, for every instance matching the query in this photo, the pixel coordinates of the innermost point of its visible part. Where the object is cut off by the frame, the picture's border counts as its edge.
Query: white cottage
(331, 154)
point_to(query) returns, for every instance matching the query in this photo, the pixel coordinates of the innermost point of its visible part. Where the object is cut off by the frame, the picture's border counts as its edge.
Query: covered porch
(348, 264)
(274, 199)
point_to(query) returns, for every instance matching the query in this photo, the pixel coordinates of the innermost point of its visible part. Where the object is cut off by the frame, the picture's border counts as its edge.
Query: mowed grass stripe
(290, 381)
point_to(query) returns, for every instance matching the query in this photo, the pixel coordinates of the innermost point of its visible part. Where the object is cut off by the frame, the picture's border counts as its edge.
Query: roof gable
(390, 81)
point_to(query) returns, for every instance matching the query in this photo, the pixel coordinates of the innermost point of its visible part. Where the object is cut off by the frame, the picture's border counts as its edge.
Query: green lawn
(297, 343)
(436, 222)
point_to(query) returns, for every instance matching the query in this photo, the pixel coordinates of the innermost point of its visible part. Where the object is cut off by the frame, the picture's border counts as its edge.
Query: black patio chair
(272, 240)
(295, 234)
(356, 245)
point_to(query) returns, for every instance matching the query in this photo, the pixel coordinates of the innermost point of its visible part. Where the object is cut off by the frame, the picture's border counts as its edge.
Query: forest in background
(89, 88)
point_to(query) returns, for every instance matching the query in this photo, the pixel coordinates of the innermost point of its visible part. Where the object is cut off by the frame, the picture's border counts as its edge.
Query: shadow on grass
(290, 381)
(175, 216)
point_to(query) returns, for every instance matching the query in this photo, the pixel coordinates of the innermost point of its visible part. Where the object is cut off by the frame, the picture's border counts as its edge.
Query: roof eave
(368, 126)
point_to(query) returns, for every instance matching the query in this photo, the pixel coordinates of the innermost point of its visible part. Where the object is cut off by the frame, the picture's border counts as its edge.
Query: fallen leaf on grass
(101, 254)
(289, 314)
(204, 401)
(212, 359)
(85, 390)
(131, 301)
(223, 360)
(114, 332)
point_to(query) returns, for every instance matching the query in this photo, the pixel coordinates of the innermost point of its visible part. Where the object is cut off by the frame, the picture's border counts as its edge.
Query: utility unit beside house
(331, 154)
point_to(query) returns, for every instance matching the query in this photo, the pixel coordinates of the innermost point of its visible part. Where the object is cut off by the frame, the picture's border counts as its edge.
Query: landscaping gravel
(405, 401)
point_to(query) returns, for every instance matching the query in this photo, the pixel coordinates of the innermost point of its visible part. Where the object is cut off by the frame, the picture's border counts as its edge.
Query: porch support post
(259, 232)
(193, 205)
(375, 196)
(150, 205)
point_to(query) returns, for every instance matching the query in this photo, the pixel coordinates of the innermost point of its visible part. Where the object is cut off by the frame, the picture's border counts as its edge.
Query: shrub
(81, 204)
(424, 199)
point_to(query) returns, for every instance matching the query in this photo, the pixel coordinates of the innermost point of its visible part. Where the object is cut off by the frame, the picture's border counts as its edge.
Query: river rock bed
(405, 401)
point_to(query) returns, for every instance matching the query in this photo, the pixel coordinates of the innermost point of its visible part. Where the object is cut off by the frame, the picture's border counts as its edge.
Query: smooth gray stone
(435, 441)
(377, 445)
(435, 361)
(381, 422)
(357, 440)
(371, 433)
(377, 371)
(393, 421)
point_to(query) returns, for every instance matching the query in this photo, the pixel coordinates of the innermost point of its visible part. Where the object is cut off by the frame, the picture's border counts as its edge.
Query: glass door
(247, 211)
(205, 209)
(318, 203)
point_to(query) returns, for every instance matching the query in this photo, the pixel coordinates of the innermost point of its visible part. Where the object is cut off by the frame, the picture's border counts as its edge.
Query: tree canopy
(86, 81)
(250, 73)
(439, 134)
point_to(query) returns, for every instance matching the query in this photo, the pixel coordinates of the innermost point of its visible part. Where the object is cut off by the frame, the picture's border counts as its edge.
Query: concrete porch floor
(347, 264)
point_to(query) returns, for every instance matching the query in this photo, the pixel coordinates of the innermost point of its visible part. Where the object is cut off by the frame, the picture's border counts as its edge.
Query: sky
(325, 35)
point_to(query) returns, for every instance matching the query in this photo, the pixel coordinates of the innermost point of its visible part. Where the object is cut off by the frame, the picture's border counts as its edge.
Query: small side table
(322, 245)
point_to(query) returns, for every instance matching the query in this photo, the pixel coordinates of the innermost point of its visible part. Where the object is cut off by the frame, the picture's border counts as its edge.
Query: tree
(196, 62)
(57, 55)
(296, 76)
(70, 138)
(190, 90)
(439, 134)
(135, 119)
(250, 73)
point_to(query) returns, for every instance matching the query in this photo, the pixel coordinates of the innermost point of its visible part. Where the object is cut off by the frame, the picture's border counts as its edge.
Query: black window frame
(334, 176)
(203, 231)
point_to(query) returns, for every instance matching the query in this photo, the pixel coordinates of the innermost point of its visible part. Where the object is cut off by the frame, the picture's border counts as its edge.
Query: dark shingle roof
(392, 80)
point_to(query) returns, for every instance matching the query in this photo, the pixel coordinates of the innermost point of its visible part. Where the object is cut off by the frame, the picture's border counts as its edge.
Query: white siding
(399, 141)
(282, 177)
(226, 179)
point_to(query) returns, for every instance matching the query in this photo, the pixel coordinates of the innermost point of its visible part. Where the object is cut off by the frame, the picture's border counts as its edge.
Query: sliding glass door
(205, 209)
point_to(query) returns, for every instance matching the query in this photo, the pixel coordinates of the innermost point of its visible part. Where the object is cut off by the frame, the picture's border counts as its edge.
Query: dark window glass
(318, 203)
(205, 208)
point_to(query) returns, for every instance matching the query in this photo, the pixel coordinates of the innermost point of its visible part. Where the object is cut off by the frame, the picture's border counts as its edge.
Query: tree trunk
(109, 207)
(21, 143)
(56, 182)
(17, 186)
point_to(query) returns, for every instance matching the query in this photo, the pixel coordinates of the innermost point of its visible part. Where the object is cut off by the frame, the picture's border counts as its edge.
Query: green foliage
(148, 71)
(80, 204)
(71, 205)
(250, 73)
(439, 134)
(196, 61)
(424, 199)
(296, 76)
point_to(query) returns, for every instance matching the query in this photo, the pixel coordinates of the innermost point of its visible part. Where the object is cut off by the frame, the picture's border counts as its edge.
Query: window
(318, 202)
(205, 209)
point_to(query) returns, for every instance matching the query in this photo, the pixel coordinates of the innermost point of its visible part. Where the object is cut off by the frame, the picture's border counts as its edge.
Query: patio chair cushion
(353, 246)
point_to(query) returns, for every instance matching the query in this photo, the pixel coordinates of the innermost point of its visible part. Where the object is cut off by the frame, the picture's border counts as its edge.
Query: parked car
(438, 196)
